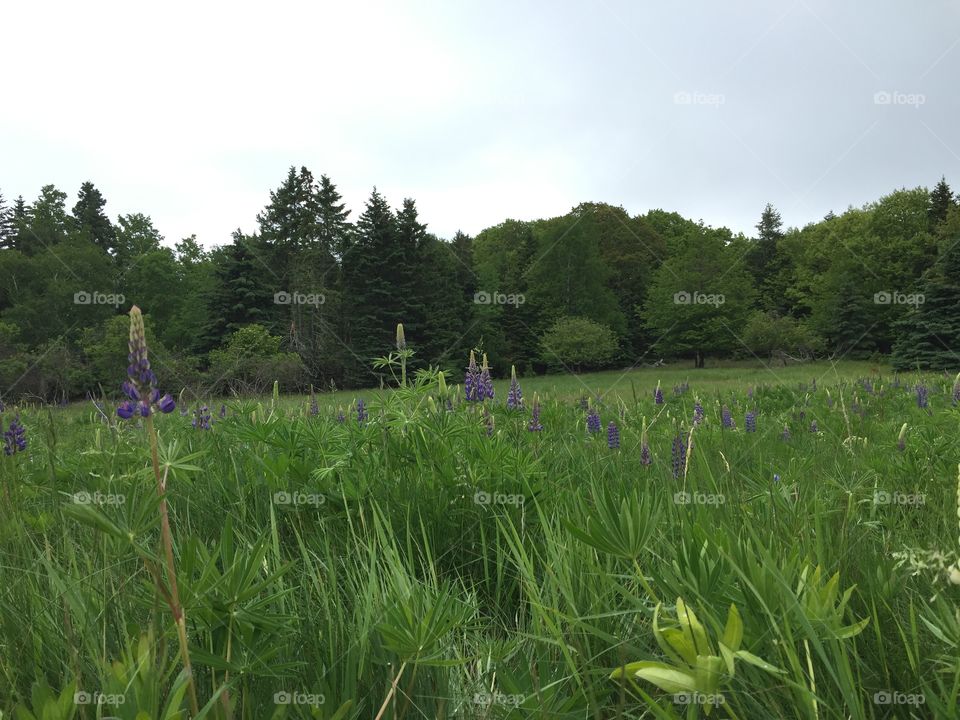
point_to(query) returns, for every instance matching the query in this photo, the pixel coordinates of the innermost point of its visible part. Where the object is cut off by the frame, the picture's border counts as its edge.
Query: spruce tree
(92, 221)
(941, 200)
(929, 335)
(7, 227)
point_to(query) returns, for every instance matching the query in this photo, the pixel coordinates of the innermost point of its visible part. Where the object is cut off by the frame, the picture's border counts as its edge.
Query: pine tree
(941, 200)
(769, 264)
(92, 221)
(929, 335)
(7, 227)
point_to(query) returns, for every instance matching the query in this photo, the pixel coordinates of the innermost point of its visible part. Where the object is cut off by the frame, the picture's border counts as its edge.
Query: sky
(192, 112)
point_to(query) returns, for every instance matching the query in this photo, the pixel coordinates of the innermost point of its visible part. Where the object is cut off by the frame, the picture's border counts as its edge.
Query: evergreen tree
(7, 227)
(929, 334)
(767, 261)
(91, 219)
(941, 200)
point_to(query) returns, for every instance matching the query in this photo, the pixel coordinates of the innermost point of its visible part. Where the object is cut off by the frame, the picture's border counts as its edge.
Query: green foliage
(577, 343)
(251, 360)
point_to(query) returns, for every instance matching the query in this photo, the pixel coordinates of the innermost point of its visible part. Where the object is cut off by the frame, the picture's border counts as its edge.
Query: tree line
(312, 296)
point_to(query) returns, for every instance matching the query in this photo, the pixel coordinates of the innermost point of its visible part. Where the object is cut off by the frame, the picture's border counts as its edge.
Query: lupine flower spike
(697, 412)
(488, 421)
(813, 427)
(902, 438)
(613, 436)
(15, 437)
(727, 418)
(486, 383)
(645, 458)
(679, 454)
(141, 387)
(514, 395)
(922, 401)
(750, 421)
(593, 421)
(201, 421)
(362, 413)
(534, 425)
(785, 435)
(314, 407)
(223, 411)
(341, 417)
(471, 381)
(658, 395)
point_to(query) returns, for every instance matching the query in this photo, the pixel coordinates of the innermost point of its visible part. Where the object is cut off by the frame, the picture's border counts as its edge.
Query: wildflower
(750, 393)
(141, 388)
(584, 402)
(697, 412)
(901, 438)
(727, 418)
(341, 418)
(679, 454)
(785, 435)
(223, 411)
(534, 425)
(814, 428)
(201, 421)
(922, 401)
(15, 437)
(514, 395)
(471, 381)
(776, 478)
(658, 395)
(486, 383)
(314, 407)
(613, 436)
(750, 421)
(401, 340)
(956, 392)
(593, 421)
(362, 413)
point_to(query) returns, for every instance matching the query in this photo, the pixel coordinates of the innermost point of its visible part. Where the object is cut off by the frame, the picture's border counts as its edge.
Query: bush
(578, 343)
(251, 360)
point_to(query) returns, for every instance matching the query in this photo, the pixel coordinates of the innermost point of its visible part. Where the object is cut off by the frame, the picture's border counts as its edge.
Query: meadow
(737, 542)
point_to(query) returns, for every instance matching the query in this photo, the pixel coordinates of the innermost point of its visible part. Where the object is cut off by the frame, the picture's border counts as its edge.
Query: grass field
(441, 559)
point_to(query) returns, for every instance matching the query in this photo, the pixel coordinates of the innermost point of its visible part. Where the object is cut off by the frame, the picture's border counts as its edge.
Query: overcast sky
(192, 112)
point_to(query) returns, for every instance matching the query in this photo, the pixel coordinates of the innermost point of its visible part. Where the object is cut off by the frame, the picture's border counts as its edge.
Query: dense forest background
(313, 296)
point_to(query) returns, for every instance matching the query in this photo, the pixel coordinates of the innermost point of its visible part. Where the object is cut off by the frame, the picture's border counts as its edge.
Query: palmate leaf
(620, 529)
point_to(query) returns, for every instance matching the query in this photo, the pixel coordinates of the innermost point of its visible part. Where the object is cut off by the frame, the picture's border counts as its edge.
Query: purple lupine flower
(341, 418)
(658, 395)
(697, 412)
(141, 387)
(750, 393)
(750, 421)
(584, 402)
(785, 435)
(201, 420)
(534, 425)
(593, 421)
(514, 395)
(314, 406)
(829, 402)
(486, 383)
(15, 437)
(645, 458)
(727, 418)
(776, 478)
(471, 381)
(362, 413)
(814, 428)
(223, 411)
(922, 401)
(613, 436)
(679, 454)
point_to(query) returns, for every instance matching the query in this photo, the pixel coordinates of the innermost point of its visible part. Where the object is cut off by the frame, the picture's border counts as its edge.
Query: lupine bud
(514, 395)
(486, 383)
(534, 425)
(361, 411)
(613, 436)
(401, 340)
(697, 412)
(901, 438)
(658, 395)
